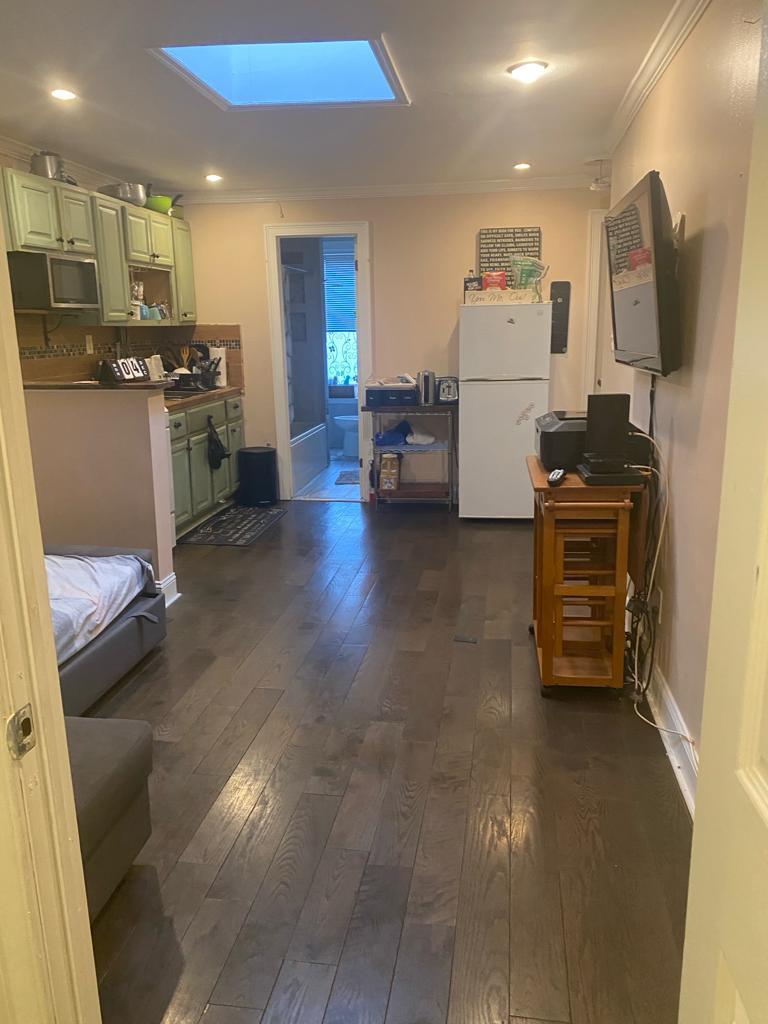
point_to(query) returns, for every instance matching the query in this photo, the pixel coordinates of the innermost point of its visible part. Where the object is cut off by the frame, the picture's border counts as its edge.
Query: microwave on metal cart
(52, 281)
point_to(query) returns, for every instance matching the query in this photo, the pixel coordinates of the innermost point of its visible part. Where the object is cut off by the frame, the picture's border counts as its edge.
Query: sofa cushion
(110, 761)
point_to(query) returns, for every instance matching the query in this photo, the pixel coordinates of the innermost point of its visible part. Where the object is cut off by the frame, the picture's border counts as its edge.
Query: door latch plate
(20, 732)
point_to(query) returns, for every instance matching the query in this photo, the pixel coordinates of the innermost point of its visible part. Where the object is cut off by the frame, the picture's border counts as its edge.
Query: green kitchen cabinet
(234, 443)
(220, 476)
(201, 484)
(33, 211)
(185, 305)
(138, 235)
(76, 218)
(161, 233)
(114, 285)
(182, 483)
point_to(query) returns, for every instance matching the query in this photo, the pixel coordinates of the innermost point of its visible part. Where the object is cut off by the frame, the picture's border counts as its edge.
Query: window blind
(340, 284)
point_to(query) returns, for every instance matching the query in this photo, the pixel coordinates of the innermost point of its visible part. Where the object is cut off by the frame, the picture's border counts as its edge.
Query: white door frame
(47, 974)
(272, 235)
(595, 277)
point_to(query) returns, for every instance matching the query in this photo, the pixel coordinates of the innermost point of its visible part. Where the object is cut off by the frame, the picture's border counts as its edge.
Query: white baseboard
(168, 589)
(682, 755)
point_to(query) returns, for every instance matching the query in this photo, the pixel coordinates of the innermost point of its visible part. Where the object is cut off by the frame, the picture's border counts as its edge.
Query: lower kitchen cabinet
(182, 483)
(198, 489)
(200, 474)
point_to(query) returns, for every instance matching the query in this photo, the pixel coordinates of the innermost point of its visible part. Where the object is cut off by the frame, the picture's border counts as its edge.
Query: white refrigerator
(504, 355)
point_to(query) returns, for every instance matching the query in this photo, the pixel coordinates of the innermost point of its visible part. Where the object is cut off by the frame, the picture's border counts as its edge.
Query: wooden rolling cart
(586, 540)
(416, 491)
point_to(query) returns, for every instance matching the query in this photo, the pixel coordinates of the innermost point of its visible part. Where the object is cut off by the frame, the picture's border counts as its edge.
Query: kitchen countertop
(203, 398)
(150, 387)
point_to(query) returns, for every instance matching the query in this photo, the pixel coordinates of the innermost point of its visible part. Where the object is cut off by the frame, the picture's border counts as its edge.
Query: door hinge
(20, 732)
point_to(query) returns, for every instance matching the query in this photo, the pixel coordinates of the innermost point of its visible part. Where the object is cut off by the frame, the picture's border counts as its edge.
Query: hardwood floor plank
(422, 978)
(364, 975)
(230, 1015)
(401, 813)
(253, 965)
(300, 994)
(225, 754)
(319, 934)
(480, 980)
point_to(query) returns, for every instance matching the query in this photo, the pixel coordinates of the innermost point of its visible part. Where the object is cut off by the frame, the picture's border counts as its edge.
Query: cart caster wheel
(547, 691)
(532, 629)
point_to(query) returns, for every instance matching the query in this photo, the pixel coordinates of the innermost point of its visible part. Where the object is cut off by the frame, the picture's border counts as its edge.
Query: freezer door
(505, 342)
(496, 433)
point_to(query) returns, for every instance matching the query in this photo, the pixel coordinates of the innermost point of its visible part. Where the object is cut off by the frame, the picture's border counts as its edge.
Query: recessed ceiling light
(522, 167)
(213, 178)
(63, 94)
(528, 70)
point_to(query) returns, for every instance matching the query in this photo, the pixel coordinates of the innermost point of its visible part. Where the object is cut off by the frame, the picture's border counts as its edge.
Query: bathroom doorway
(320, 327)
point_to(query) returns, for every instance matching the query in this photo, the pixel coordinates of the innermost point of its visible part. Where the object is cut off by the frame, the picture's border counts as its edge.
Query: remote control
(556, 477)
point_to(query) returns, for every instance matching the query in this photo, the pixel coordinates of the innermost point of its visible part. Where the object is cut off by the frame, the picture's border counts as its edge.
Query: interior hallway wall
(695, 129)
(421, 248)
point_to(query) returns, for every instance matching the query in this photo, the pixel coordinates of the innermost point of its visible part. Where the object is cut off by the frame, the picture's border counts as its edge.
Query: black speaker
(607, 427)
(258, 477)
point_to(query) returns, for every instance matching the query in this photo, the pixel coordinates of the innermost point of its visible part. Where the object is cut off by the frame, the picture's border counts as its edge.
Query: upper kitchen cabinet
(113, 269)
(46, 215)
(148, 237)
(76, 220)
(186, 305)
(32, 211)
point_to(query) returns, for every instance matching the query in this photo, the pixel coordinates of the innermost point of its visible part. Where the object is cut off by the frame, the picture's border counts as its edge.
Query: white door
(505, 342)
(496, 433)
(725, 967)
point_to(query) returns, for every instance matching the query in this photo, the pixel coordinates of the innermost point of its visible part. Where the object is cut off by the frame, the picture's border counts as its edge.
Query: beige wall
(695, 129)
(421, 249)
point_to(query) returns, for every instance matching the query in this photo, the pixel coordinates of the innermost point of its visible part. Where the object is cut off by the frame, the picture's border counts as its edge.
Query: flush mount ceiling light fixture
(522, 167)
(328, 73)
(528, 71)
(213, 178)
(63, 94)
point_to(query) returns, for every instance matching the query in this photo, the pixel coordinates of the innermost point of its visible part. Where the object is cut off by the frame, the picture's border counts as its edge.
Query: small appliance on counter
(560, 439)
(381, 392)
(123, 370)
(446, 390)
(606, 446)
(426, 384)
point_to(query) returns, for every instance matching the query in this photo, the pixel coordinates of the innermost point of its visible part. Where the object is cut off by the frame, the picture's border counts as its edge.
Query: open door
(725, 968)
(46, 960)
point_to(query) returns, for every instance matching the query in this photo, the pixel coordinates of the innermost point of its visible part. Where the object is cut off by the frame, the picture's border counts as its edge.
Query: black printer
(560, 439)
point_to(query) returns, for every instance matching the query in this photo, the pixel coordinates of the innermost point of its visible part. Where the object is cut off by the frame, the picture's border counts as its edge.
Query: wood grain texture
(361, 988)
(359, 818)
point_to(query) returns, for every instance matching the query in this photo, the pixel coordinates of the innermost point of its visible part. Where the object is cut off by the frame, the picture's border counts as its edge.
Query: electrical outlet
(89, 344)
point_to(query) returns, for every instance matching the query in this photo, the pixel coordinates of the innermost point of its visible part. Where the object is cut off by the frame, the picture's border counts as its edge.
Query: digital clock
(126, 370)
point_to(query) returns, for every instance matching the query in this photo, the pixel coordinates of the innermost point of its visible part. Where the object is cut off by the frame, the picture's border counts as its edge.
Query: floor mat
(348, 476)
(235, 526)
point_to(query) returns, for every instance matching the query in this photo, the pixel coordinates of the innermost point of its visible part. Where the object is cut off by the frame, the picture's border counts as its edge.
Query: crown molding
(449, 188)
(20, 152)
(679, 24)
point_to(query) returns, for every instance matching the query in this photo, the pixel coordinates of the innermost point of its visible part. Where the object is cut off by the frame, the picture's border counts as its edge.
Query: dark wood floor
(364, 812)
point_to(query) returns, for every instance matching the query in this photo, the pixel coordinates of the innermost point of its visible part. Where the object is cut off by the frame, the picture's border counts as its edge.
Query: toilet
(349, 425)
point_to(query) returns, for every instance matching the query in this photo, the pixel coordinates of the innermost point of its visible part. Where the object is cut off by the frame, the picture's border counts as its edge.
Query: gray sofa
(111, 760)
(89, 674)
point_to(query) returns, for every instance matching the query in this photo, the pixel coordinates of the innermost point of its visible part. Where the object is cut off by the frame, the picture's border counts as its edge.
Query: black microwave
(46, 281)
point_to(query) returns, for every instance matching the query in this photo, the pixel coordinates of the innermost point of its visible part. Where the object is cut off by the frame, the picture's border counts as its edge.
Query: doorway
(319, 286)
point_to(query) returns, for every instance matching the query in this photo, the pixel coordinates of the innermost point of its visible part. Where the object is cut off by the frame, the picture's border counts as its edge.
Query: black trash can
(258, 477)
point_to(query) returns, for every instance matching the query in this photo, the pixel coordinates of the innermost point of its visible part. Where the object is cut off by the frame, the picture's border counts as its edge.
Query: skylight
(280, 74)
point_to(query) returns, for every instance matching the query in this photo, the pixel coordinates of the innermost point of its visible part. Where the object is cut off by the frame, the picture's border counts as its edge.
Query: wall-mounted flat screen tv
(642, 263)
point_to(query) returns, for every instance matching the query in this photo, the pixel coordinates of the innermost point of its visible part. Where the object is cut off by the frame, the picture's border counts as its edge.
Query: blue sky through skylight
(250, 74)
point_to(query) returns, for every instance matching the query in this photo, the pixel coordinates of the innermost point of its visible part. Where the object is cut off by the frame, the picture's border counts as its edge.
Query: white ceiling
(467, 122)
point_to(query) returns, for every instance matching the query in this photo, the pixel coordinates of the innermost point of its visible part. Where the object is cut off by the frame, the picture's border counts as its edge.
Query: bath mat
(235, 526)
(348, 476)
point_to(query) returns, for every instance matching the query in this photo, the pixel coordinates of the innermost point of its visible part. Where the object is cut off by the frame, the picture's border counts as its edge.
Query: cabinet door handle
(60, 239)
(177, 424)
(131, 312)
(70, 241)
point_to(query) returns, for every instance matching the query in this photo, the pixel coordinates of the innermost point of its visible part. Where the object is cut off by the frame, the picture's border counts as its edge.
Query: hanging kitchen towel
(216, 449)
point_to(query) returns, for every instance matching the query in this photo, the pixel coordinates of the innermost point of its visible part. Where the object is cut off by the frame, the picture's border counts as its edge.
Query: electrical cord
(643, 625)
